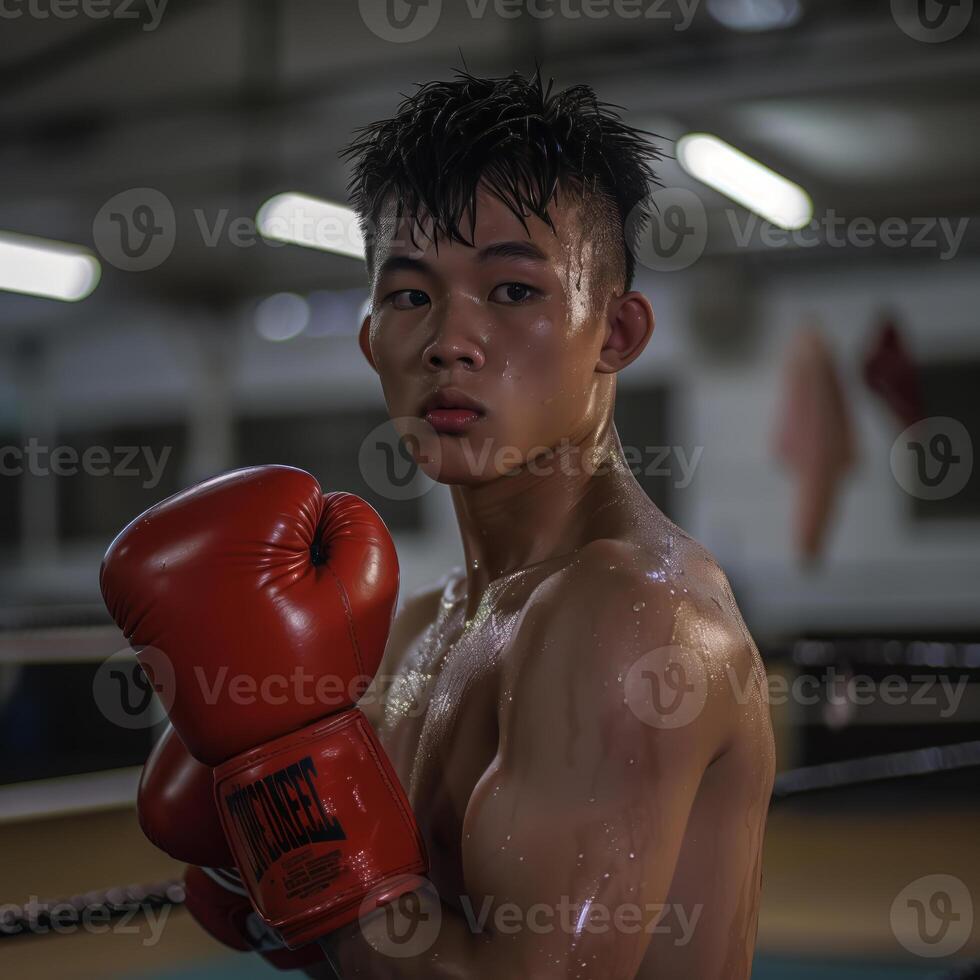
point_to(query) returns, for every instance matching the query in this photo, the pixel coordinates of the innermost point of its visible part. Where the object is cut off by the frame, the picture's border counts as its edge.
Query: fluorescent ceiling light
(282, 317)
(755, 15)
(39, 267)
(752, 184)
(308, 221)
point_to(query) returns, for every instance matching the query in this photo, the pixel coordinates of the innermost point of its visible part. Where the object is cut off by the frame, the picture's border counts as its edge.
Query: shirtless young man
(578, 714)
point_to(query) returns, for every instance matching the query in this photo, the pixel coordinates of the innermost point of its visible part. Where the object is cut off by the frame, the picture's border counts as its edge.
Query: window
(325, 444)
(121, 471)
(643, 425)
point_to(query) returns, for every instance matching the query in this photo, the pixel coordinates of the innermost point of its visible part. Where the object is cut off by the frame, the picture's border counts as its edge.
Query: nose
(450, 348)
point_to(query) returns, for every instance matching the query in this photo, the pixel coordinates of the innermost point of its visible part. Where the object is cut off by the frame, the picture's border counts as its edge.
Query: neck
(543, 509)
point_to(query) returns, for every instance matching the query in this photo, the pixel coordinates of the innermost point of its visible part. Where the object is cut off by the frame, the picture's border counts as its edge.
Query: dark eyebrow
(396, 263)
(511, 250)
(499, 250)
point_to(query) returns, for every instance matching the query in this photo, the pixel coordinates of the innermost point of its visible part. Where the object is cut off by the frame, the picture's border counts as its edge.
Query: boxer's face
(513, 323)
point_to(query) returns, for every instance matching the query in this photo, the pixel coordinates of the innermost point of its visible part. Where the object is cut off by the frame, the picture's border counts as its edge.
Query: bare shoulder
(688, 596)
(649, 625)
(661, 584)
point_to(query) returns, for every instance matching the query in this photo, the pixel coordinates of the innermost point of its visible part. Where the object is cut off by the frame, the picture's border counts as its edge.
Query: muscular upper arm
(607, 725)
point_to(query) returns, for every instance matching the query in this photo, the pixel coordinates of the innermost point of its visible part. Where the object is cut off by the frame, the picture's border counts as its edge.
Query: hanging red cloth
(892, 375)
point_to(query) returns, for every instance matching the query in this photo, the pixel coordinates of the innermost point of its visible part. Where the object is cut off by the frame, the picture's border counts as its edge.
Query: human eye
(407, 299)
(515, 293)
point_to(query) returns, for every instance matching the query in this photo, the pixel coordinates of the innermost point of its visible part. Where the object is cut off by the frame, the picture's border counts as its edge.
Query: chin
(457, 474)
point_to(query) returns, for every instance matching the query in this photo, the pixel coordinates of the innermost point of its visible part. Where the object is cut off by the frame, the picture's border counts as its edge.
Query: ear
(629, 326)
(363, 339)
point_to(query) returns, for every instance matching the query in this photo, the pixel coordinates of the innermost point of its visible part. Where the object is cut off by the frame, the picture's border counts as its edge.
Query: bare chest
(441, 720)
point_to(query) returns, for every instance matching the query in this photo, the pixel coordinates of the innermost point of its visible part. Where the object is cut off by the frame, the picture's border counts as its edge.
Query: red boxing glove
(258, 575)
(176, 810)
(175, 803)
(219, 904)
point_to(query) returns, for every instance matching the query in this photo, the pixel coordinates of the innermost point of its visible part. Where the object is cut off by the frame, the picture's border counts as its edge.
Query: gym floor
(830, 876)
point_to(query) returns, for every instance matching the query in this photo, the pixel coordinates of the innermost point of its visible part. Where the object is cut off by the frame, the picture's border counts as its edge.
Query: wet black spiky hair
(522, 142)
